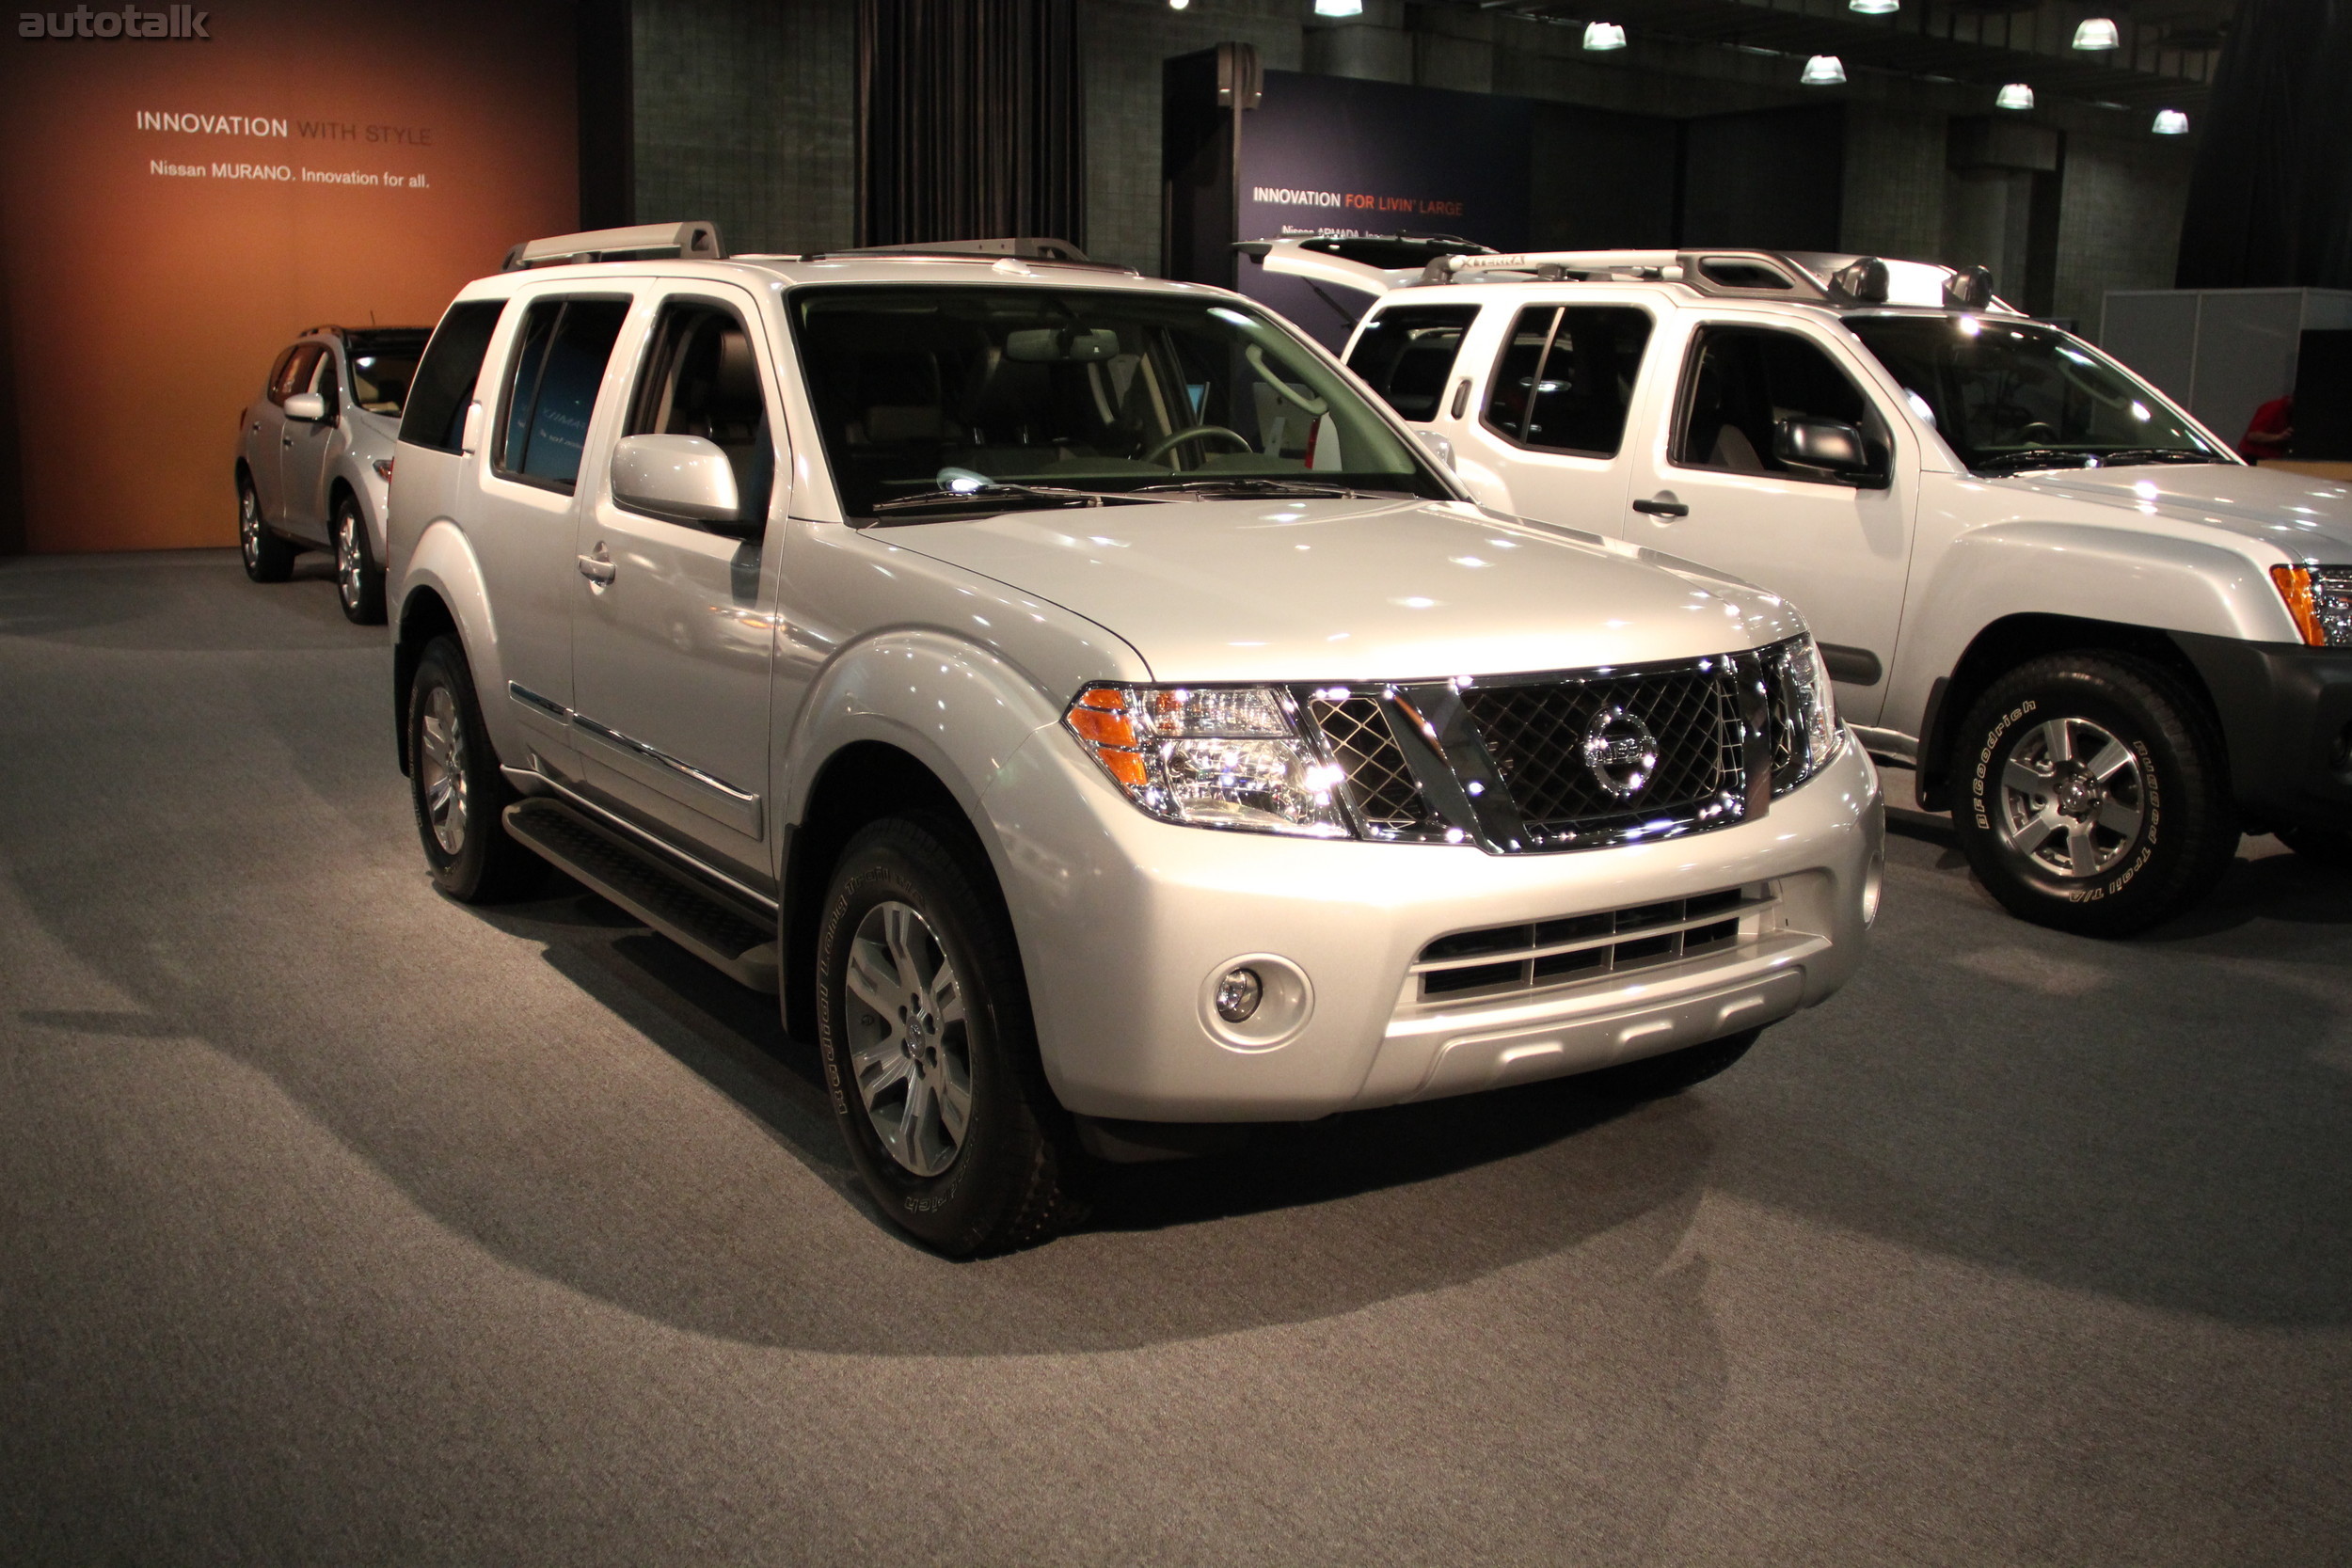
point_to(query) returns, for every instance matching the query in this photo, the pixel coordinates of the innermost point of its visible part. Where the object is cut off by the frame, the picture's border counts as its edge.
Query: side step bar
(665, 896)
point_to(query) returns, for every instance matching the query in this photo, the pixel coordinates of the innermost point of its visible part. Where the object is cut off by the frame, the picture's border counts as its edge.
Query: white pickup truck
(2106, 644)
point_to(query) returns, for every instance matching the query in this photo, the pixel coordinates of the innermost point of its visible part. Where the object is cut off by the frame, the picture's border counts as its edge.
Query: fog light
(1238, 995)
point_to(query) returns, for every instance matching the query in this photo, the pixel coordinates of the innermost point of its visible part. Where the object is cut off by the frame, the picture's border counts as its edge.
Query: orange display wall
(175, 209)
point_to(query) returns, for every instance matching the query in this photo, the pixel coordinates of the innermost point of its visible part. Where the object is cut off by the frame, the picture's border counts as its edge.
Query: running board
(668, 898)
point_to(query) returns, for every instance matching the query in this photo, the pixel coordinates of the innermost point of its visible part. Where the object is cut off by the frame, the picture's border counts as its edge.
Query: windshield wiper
(994, 491)
(1249, 484)
(2031, 458)
(2121, 457)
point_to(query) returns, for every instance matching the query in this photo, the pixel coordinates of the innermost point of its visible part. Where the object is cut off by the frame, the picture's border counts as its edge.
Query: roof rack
(695, 240)
(1058, 253)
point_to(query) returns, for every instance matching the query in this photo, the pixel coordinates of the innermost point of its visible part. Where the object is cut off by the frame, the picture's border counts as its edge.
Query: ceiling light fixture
(1338, 8)
(2014, 96)
(1875, 8)
(1178, 5)
(1823, 70)
(2170, 123)
(2097, 32)
(1604, 34)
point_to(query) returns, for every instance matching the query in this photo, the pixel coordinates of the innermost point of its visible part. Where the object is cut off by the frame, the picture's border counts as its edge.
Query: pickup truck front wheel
(2094, 798)
(930, 1057)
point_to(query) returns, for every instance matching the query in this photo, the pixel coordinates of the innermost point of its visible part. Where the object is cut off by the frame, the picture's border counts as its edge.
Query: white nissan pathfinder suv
(2105, 643)
(1095, 715)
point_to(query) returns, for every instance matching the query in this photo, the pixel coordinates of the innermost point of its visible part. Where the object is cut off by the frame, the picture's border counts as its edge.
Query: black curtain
(970, 121)
(2270, 203)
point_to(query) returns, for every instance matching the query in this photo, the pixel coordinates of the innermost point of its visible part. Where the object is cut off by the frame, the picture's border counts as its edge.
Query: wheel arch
(423, 616)
(2014, 640)
(861, 783)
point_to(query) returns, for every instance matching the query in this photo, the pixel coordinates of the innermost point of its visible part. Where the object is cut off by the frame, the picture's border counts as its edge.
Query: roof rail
(1739, 273)
(1024, 248)
(695, 240)
(329, 330)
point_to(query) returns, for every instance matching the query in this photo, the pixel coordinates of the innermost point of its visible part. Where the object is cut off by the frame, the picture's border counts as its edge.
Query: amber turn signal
(2295, 586)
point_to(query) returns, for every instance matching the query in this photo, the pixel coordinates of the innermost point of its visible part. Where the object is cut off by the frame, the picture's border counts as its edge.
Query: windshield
(937, 399)
(2009, 395)
(382, 364)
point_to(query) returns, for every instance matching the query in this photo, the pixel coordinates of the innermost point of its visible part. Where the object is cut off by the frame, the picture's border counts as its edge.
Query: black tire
(1657, 1077)
(473, 859)
(268, 557)
(2141, 844)
(2325, 846)
(1015, 1175)
(358, 580)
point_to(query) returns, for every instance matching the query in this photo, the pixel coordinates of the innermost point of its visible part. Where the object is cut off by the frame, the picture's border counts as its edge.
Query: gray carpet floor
(344, 1224)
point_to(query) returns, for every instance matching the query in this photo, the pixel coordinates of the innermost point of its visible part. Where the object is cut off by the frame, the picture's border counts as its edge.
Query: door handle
(597, 568)
(1664, 506)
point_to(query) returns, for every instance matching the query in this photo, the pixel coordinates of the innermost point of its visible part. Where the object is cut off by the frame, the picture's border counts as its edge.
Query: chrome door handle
(1663, 506)
(596, 569)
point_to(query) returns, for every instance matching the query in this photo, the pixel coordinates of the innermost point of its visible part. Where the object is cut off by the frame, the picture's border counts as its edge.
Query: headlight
(2320, 599)
(1210, 757)
(1804, 712)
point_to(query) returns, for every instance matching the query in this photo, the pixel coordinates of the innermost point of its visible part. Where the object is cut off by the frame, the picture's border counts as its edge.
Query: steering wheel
(1163, 449)
(2038, 434)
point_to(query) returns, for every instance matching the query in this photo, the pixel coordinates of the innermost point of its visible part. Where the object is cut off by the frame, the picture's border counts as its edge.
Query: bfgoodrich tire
(2094, 795)
(930, 1057)
(456, 788)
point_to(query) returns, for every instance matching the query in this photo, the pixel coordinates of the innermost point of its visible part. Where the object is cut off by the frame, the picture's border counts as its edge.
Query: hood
(2308, 518)
(1337, 589)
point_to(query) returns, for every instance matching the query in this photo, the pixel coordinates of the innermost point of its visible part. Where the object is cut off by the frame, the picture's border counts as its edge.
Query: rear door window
(559, 362)
(435, 412)
(1567, 377)
(1407, 354)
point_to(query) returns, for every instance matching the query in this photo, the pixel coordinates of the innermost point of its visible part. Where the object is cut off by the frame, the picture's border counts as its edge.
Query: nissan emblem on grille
(1621, 752)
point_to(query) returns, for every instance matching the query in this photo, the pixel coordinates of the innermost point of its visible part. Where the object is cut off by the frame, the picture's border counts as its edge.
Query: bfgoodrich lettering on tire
(2093, 795)
(930, 1058)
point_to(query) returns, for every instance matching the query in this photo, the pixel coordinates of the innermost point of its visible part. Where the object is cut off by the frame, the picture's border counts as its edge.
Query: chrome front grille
(1386, 795)
(1522, 762)
(1537, 732)
(1497, 960)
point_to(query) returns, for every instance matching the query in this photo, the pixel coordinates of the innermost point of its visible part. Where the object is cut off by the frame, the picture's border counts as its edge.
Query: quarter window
(1747, 383)
(435, 412)
(560, 359)
(1406, 355)
(1565, 378)
(701, 378)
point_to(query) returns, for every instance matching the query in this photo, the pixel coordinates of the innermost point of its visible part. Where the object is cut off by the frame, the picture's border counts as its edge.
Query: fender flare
(443, 564)
(957, 707)
(2158, 581)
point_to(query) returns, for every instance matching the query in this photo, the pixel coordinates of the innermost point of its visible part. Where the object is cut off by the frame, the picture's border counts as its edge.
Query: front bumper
(2286, 713)
(1125, 922)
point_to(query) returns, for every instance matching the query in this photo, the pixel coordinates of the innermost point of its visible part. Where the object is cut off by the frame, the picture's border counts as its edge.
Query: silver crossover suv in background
(1088, 707)
(314, 455)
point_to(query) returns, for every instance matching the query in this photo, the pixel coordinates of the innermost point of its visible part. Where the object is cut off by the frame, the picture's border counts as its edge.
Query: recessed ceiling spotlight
(2014, 96)
(1604, 34)
(1823, 70)
(1338, 8)
(2170, 123)
(1875, 8)
(2097, 32)
(1178, 5)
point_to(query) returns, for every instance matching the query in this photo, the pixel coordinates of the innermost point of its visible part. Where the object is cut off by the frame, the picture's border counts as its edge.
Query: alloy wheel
(348, 565)
(441, 769)
(249, 527)
(909, 1039)
(2073, 798)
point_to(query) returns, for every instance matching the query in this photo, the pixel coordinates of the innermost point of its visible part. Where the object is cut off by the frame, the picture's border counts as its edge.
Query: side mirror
(1439, 446)
(1831, 445)
(310, 408)
(679, 479)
